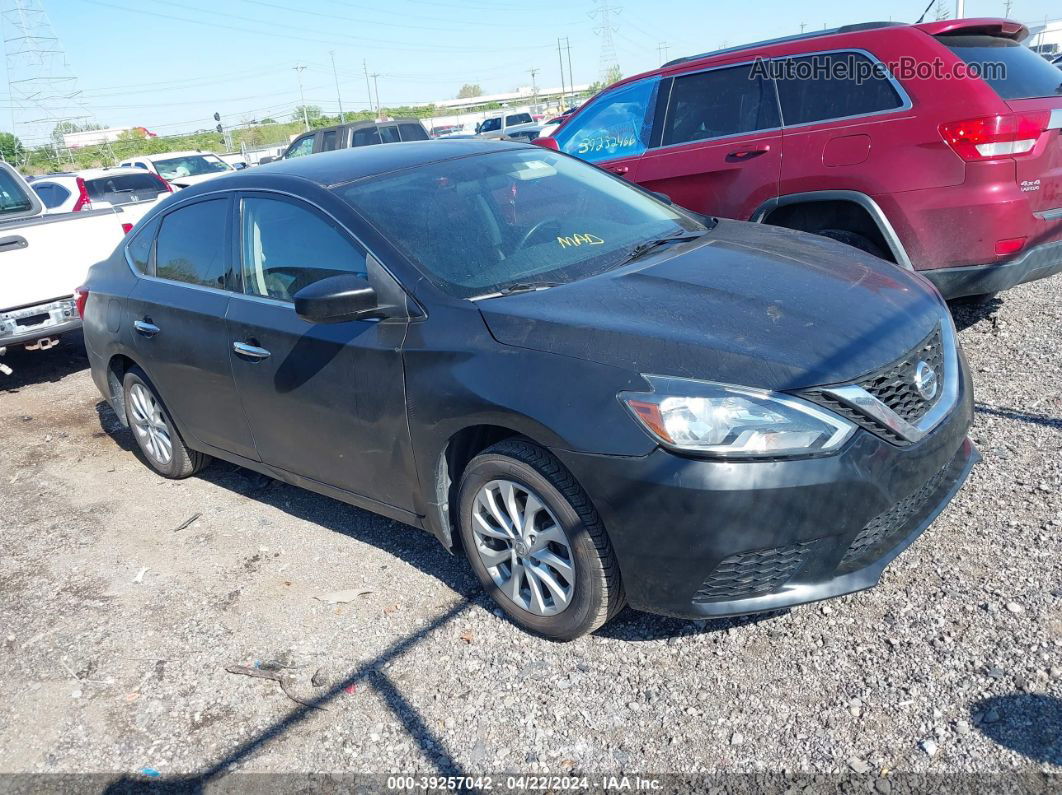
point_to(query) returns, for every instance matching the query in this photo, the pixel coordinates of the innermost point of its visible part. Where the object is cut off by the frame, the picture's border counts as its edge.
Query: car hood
(747, 304)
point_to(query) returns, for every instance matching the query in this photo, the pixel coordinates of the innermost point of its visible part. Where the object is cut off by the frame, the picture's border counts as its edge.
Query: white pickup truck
(43, 259)
(517, 126)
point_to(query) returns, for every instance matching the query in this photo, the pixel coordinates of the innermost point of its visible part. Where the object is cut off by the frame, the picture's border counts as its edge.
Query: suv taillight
(80, 299)
(165, 185)
(83, 201)
(988, 137)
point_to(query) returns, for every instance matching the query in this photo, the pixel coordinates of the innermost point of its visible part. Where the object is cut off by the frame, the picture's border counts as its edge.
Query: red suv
(936, 145)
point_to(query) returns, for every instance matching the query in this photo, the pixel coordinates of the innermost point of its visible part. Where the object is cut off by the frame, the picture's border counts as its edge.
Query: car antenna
(931, 2)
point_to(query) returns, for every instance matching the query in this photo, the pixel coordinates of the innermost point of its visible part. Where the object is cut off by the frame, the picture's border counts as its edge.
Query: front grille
(752, 573)
(887, 529)
(894, 384)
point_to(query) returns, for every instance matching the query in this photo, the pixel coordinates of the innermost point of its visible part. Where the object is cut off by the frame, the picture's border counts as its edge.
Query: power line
(609, 61)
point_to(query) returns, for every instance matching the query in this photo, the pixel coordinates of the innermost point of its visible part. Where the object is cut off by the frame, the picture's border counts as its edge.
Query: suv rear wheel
(153, 429)
(536, 543)
(853, 239)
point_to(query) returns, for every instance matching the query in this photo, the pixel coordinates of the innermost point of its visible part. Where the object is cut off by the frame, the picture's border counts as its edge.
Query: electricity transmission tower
(605, 29)
(42, 88)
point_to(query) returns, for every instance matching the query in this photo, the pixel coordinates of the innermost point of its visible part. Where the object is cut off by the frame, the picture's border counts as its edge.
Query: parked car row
(893, 164)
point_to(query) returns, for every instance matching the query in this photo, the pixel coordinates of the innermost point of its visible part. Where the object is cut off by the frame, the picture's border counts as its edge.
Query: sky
(169, 66)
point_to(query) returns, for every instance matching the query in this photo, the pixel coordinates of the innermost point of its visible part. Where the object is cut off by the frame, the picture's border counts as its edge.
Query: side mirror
(239, 166)
(337, 299)
(547, 143)
(266, 159)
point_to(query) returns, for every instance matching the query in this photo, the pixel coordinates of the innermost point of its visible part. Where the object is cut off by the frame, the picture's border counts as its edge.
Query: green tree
(470, 90)
(612, 75)
(268, 120)
(11, 148)
(313, 112)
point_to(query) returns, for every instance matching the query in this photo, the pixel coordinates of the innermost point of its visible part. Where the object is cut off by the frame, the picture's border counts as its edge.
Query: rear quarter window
(138, 251)
(827, 86)
(1011, 69)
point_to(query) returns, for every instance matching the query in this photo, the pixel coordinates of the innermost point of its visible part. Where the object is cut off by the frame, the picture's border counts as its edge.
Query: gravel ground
(117, 623)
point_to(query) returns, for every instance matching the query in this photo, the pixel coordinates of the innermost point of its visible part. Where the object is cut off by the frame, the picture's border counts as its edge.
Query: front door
(175, 320)
(720, 147)
(613, 132)
(325, 401)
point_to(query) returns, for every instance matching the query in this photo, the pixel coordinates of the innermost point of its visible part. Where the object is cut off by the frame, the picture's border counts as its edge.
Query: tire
(591, 585)
(154, 431)
(853, 239)
(976, 300)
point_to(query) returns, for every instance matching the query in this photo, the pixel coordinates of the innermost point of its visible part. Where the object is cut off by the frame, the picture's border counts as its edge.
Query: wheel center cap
(521, 548)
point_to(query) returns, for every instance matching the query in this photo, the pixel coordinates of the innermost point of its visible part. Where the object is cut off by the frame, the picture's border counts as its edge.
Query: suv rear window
(832, 86)
(121, 188)
(1024, 75)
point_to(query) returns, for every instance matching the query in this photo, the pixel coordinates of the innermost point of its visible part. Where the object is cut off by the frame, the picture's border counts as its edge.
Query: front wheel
(536, 543)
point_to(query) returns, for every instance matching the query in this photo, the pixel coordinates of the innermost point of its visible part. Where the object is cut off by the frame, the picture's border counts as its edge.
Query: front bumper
(1038, 262)
(699, 538)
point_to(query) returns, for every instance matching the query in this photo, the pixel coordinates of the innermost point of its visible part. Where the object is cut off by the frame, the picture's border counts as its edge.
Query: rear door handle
(746, 154)
(250, 351)
(12, 243)
(146, 328)
(621, 170)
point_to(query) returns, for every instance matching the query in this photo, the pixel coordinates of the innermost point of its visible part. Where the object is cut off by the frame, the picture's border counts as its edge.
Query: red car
(935, 145)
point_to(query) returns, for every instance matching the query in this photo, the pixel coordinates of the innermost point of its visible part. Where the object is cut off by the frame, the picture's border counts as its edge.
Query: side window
(138, 251)
(490, 125)
(191, 245)
(51, 195)
(367, 136)
(13, 198)
(141, 164)
(717, 103)
(302, 147)
(286, 246)
(328, 141)
(412, 132)
(616, 125)
(832, 86)
(518, 118)
(389, 134)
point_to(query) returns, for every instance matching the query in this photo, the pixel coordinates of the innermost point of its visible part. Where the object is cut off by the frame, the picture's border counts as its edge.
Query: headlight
(734, 421)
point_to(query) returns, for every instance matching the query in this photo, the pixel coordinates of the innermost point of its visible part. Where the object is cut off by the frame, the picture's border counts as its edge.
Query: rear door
(1032, 88)
(325, 401)
(176, 316)
(329, 139)
(613, 131)
(720, 143)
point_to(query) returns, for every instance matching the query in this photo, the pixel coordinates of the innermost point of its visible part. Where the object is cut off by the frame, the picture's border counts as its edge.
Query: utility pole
(302, 96)
(960, 9)
(1006, 8)
(560, 59)
(802, 26)
(571, 80)
(335, 74)
(661, 51)
(534, 86)
(376, 85)
(368, 88)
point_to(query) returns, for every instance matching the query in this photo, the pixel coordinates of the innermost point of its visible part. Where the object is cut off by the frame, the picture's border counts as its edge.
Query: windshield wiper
(518, 287)
(648, 245)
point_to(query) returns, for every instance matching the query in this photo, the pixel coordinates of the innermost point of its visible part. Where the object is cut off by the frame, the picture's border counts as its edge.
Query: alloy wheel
(149, 425)
(522, 546)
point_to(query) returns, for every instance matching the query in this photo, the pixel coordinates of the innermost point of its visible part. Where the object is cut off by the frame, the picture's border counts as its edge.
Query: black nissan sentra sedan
(600, 398)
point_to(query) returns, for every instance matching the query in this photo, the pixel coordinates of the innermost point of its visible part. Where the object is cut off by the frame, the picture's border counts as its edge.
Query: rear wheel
(536, 543)
(153, 429)
(853, 239)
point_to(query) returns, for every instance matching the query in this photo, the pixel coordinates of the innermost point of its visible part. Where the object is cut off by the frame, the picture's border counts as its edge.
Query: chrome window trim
(859, 399)
(901, 92)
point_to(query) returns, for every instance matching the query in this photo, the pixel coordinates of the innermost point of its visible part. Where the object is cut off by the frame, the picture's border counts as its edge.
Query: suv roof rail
(783, 39)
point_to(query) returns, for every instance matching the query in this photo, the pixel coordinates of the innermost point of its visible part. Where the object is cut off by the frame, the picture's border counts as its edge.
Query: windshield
(190, 166)
(479, 224)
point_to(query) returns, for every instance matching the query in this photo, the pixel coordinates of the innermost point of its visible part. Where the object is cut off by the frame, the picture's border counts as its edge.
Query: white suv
(98, 189)
(182, 169)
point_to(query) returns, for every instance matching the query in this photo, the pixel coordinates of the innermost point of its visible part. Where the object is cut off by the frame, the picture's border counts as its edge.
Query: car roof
(360, 125)
(163, 155)
(329, 169)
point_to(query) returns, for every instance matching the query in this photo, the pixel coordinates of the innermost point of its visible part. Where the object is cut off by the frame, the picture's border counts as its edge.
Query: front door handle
(146, 328)
(250, 351)
(746, 154)
(12, 243)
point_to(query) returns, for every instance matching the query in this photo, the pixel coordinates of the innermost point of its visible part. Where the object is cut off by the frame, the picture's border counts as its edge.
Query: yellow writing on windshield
(579, 240)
